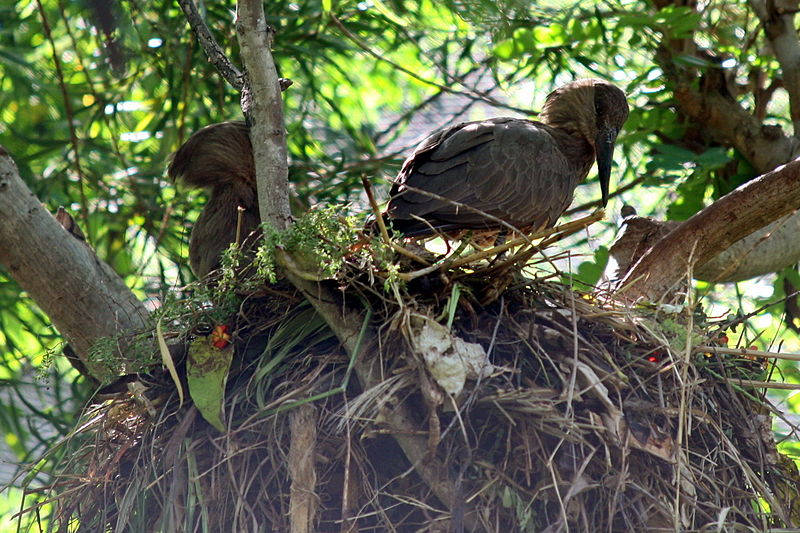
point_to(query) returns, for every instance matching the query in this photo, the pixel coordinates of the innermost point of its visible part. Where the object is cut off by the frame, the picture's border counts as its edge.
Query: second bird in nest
(523, 172)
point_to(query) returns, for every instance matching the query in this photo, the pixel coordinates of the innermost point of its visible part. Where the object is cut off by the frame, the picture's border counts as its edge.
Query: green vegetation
(92, 105)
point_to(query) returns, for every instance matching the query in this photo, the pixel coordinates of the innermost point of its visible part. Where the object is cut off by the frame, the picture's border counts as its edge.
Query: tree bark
(770, 249)
(708, 99)
(85, 299)
(777, 18)
(714, 229)
(263, 107)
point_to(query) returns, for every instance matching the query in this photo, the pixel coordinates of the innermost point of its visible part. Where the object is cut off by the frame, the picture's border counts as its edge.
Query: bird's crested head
(594, 111)
(585, 107)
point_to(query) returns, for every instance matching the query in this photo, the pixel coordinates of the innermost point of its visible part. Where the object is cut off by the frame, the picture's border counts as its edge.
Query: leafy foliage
(93, 103)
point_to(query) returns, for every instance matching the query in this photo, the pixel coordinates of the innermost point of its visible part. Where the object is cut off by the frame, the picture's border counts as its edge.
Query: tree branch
(770, 249)
(726, 121)
(714, 229)
(213, 50)
(263, 106)
(778, 21)
(82, 295)
(707, 100)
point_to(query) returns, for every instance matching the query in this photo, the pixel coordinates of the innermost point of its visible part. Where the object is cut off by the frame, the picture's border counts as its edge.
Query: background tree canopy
(94, 97)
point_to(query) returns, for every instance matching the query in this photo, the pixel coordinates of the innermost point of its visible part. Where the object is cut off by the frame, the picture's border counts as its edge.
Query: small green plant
(320, 241)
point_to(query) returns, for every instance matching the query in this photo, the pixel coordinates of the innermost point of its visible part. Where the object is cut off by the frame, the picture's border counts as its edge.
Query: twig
(445, 88)
(303, 506)
(746, 352)
(558, 233)
(382, 225)
(375, 210)
(513, 229)
(239, 221)
(764, 384)
(73, 136)
(743, 318)
(213, 50)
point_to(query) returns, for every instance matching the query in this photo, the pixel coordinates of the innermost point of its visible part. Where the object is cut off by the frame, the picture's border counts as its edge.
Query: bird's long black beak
(604, 144)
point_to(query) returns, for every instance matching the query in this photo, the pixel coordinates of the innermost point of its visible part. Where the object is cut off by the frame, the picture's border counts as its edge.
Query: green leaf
(714, 158)
(206, 373)
(549, 36)
(678, 21)
(525, 39)
(589, 272)
(504, 49)
(691, 198)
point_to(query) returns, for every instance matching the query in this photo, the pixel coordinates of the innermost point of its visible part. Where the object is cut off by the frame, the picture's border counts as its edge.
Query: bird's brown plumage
(219, 158)
(522, 172)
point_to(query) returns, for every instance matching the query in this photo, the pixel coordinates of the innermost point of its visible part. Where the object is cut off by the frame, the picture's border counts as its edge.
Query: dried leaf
(166, 358)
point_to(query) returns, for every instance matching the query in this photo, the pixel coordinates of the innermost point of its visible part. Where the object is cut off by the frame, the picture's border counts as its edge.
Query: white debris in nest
(450, 360)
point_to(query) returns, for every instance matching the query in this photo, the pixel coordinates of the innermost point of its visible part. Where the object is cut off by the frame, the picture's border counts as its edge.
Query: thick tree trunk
(82, 295)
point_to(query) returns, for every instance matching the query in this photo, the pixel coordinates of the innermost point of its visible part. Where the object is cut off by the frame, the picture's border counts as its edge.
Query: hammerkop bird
(523, 172)
(219, 158)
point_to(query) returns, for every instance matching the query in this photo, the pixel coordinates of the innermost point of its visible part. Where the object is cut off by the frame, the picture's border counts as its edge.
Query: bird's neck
(571, 119)
(578, 148)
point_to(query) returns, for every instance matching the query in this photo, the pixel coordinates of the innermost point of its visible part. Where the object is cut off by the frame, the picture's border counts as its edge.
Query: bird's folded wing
(511, 169)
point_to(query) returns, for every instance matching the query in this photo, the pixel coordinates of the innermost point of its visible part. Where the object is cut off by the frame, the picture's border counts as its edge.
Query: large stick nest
(541, 410)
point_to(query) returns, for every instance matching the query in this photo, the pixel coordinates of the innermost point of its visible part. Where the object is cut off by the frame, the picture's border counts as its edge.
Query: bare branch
(770, 249)
(303, 500)
(82, 295)
(213, 51)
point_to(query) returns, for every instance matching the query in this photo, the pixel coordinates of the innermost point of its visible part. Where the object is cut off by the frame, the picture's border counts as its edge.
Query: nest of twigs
(536, 408)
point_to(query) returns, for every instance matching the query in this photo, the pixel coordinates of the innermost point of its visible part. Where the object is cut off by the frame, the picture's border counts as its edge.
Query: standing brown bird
(219, 158)
(523, 172)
